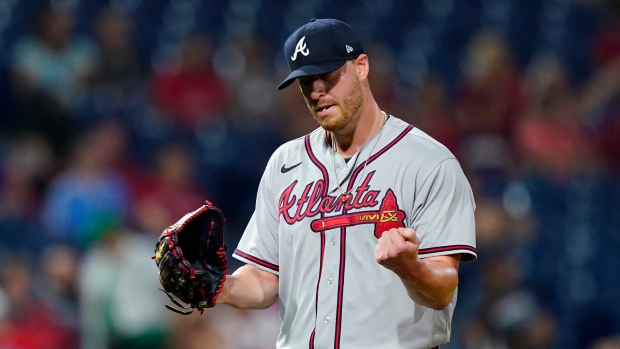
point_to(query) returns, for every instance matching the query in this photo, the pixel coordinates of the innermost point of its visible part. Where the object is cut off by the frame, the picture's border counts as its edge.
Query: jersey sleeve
(443, 216)
(259, 244)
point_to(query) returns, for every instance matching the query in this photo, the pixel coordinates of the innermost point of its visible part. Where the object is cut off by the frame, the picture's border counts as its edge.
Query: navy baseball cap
(319, 47)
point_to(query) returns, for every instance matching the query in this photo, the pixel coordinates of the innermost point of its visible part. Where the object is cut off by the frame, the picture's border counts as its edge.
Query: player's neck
(367, 125)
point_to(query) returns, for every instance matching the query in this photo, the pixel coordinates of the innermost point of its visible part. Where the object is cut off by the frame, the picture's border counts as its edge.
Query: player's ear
(362, 66)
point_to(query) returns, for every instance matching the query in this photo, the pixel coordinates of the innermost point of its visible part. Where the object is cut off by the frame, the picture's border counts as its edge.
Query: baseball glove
(191, 258)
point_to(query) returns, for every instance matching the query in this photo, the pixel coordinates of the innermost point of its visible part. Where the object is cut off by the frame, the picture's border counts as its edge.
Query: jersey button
(327, 320)
(333, 242)
(330, 281)
(337, 165)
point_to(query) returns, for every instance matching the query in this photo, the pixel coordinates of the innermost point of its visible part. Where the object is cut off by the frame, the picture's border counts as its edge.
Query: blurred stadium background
(119, 116)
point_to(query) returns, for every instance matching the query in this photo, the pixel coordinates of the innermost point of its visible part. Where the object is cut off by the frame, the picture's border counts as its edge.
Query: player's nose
(313, 86)
(317, 88)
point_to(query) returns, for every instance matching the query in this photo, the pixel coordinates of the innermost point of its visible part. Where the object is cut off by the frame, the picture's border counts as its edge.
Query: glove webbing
(188, 309)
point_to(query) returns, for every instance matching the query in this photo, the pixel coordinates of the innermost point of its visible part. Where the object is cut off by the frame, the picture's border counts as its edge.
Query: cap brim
(311, 69)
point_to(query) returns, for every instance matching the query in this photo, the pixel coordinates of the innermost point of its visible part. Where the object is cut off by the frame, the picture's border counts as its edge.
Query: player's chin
(329, 123)
(332, 127)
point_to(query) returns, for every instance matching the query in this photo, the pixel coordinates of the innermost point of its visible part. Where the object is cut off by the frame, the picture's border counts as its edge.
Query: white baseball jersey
(332, 292)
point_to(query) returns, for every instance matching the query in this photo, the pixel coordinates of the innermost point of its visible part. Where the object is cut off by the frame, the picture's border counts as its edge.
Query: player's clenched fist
(396, 248)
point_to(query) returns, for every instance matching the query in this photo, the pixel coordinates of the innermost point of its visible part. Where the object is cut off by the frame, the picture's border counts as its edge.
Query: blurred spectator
(29, 323)
(227, 328)
(50, 66)
(607, 134)
(24, 177)
(475, 335)
(120, 304)
(540, 332)
(5, 321)
(605, 44)
(117, 146)
(383, 79)
(600, 104)
(251, 130)
(549, 135)
(500, 224)
(171, 193)
(118, 74)
(189, 92)
(88, 196)
(504, 232)
(431, 111)
(253, 97)
(509, 310)
(245, 329)
(489, 99)
(56, 286)
(196, 332)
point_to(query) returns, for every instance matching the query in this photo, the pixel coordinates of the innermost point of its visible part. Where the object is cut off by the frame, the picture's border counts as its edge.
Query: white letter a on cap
(300, 48)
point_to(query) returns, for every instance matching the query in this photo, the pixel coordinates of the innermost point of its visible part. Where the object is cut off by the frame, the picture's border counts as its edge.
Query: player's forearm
(430, 284)
(249, 288)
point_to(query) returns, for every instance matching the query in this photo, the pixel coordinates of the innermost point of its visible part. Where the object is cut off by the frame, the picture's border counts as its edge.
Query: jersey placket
(344, 169)
(332, 279)
(327, 298)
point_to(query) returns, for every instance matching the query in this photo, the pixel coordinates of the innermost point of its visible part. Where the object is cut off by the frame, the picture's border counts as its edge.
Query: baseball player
(359, 226)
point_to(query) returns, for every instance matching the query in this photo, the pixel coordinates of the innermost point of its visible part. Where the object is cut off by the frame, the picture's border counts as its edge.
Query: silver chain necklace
(345, 195)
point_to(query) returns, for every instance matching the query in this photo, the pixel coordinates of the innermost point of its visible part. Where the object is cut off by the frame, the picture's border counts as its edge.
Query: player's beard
(349, 107)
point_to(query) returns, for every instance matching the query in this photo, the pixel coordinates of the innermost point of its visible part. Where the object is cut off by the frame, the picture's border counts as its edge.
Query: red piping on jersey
(359, 168)
(318, 283)
(343, 250)
(316, 161)
(446, 248)
(311, 344)
(377, 154)
(257, 260)
(323, 170)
